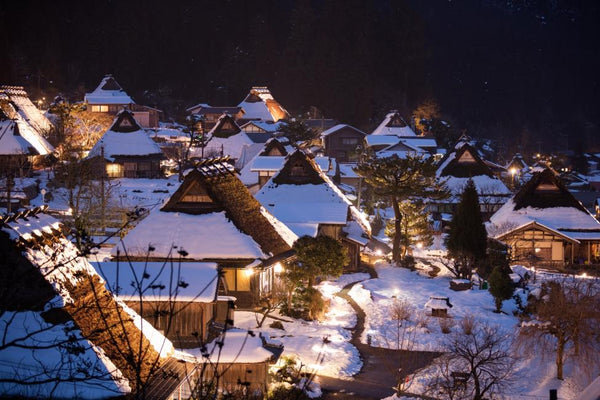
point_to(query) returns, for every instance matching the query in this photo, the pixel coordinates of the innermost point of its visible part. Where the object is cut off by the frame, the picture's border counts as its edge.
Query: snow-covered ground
(305, 340)
(533, 375)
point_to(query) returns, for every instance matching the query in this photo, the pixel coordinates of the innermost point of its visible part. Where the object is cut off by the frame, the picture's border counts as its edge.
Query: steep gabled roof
(463, 162)
(52, 296)
(394, 124)
(125, 138)
(274, 147)
(517, 162)
(546, 201)
(216, 217)
(260, 104)
(27, 110)
(303, 197)
(36, 143)
(340, 127)
(299, 169)
(225, 127)
(11, 141)
(108, 92)
(545, 190)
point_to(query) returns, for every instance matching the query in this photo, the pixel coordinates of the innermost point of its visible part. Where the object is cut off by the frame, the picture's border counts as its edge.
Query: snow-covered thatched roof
(302, 196)
(545, 201)
(108, 92)
(212, 216)
(260, 104)
(464, 163)
(73, 338)
(125, 138)
(394, 124)
(19, 99)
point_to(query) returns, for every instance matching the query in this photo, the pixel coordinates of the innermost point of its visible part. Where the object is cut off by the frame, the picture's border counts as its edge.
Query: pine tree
(501, 286)
(401, 179)
(415, 225)
(467, 239)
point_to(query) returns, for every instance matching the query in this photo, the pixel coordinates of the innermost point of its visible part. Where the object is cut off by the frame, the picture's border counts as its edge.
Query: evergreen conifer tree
(467, 238)
(501, 286)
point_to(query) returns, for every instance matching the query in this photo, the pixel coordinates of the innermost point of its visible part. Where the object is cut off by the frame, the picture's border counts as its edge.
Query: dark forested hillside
(523, 69)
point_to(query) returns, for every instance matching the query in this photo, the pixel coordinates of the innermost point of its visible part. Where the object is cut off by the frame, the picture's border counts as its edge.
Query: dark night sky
(523, 69)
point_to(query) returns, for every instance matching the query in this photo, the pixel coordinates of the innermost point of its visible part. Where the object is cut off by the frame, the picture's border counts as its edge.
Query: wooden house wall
(353, 254)
(179, 323)
(539, 246)
(342, 144)
(255, 374)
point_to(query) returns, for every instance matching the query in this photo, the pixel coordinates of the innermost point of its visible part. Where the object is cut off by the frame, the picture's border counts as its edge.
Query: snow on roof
(346, 170)
(231, 146)
(260, 104)
(487, 187)
(321, 203)
(60, 265)
(355, 233)
(125, 138)
(37, 141)
(267, 126)
(338, 127)
(163, 281)
(36, 360)
(11, 144)
(249, 153)
(568, 221)
(376, 140)
(204, 236)
(393, 124)
(304, 229)
(275, 163)
(419, 142)
(26, 109)
(591, 392)
(239, 346)
(108, 92)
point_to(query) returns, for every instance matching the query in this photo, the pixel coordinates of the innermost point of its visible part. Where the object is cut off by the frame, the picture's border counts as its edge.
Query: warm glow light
(584, 275)
(378, 252)
(419, 245)
(513, 171)
(249, 271)
(537, 249)
(278, 268)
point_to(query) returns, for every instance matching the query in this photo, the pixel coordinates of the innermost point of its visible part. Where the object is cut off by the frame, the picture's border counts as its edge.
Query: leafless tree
(565, 319)
(476, 365)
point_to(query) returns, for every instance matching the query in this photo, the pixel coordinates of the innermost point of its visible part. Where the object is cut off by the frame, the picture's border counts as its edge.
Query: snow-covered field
(533, 375)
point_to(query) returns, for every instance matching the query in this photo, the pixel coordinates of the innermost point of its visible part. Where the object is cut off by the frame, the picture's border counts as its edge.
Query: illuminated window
(114, 170)
(100, 108)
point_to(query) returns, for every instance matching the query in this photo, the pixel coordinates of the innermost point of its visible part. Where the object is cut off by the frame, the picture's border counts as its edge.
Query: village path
(379, 372)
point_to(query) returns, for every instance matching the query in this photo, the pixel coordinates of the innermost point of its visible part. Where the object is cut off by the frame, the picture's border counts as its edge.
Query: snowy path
(379, 372)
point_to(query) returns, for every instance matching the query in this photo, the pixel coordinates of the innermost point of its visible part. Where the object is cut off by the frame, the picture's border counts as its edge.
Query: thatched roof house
(21, 146)
(213, 218)
(65, 333)
(394, 124)
(462, 164)
(259, 104)
(109, 97)
(19, 100)
(305, 199)
(126, 150)
(544, 223)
